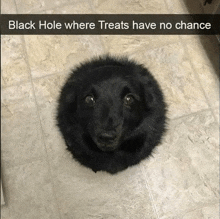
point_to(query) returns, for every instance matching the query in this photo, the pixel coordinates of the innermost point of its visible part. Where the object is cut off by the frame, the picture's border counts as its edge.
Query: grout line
(34, 79)
(190, 114)
(16, 8)
(150, 193)
(41, 126)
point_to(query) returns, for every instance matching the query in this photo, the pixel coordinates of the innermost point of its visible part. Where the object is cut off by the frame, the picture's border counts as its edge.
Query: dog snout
(107, 137)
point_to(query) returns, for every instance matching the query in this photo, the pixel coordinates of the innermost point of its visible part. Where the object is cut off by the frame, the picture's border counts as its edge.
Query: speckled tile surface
(60, 53)
(14, 66)
(40, 178)
(183, 173)
(130, 7)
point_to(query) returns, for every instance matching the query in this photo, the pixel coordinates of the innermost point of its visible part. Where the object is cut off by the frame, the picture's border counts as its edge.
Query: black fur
(111, 113)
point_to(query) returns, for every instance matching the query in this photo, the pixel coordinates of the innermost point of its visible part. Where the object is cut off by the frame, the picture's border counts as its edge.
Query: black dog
(111, 113)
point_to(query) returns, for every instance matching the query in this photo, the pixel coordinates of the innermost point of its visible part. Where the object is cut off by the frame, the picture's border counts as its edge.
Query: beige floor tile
(216, 112)
(47, 91)
(171, 67)
(21, 132)
(29, 192)
(183, 175)
(130, 7)
(34, 6)
(13, 64)
(193, 7)
(100, 195)
(8, 7)
(211, 212)
(57, 54)
(206, 66)
(177, 7)
(57, 7)
(184, 7)
(82, 7)
(130, 44)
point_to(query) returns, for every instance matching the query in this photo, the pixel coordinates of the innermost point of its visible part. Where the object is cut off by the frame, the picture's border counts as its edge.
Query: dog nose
(107, 137)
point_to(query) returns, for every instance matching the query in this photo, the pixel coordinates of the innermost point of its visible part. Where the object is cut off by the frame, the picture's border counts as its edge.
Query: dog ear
(67, 101)
(151, 90)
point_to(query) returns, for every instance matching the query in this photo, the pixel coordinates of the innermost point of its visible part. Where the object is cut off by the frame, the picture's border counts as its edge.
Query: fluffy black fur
(111, 113)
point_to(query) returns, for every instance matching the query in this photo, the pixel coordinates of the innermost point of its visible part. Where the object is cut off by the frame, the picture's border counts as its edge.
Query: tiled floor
(41, 180)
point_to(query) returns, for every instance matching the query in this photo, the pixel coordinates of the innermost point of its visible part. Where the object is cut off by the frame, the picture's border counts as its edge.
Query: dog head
(110, 102)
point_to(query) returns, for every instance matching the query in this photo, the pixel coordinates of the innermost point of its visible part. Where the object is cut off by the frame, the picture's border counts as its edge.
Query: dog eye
(90, 100)
(128, 100)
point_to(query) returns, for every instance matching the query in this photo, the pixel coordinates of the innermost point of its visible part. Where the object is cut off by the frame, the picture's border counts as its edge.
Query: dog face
(109, 109)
